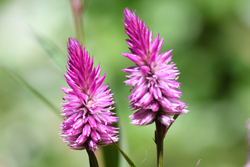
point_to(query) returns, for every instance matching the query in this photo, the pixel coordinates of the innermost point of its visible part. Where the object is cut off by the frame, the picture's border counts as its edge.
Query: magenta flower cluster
(88, 104)
(155, 91)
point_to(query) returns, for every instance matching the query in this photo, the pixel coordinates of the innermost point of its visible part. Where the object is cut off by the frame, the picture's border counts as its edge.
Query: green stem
(92, 158)
(129, 161)
(159, 143)
(160, 135)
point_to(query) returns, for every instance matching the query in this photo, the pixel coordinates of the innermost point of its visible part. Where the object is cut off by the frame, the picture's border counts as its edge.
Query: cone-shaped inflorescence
(155, 91)
(87, 104)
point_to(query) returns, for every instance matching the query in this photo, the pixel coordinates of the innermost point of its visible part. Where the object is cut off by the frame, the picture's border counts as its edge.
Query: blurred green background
(211, 46)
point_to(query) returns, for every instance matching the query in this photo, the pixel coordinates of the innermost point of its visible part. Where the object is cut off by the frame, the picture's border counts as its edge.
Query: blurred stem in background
(78, 9)
(248, 141)
(198, 163)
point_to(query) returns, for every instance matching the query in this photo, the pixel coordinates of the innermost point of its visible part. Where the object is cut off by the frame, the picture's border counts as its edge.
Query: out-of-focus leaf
(18, 79)
(130, 162)
(53, 52)
(110, 153)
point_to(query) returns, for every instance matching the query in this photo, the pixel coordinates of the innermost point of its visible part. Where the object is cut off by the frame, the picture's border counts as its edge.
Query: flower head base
(88, 104)
(155, 89)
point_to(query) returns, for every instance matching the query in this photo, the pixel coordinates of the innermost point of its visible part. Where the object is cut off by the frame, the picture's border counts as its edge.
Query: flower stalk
(159, 143)
(92, 158)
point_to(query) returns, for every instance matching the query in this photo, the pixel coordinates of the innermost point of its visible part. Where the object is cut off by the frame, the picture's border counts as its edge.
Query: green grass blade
(129, 161)
(18, 79)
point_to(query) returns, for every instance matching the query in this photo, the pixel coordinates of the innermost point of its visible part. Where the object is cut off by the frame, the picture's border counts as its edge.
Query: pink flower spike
(155, 91)
(87, 104)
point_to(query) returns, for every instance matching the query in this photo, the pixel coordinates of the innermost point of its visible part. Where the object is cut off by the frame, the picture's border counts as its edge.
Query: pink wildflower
(153, 78)
(88, 104)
